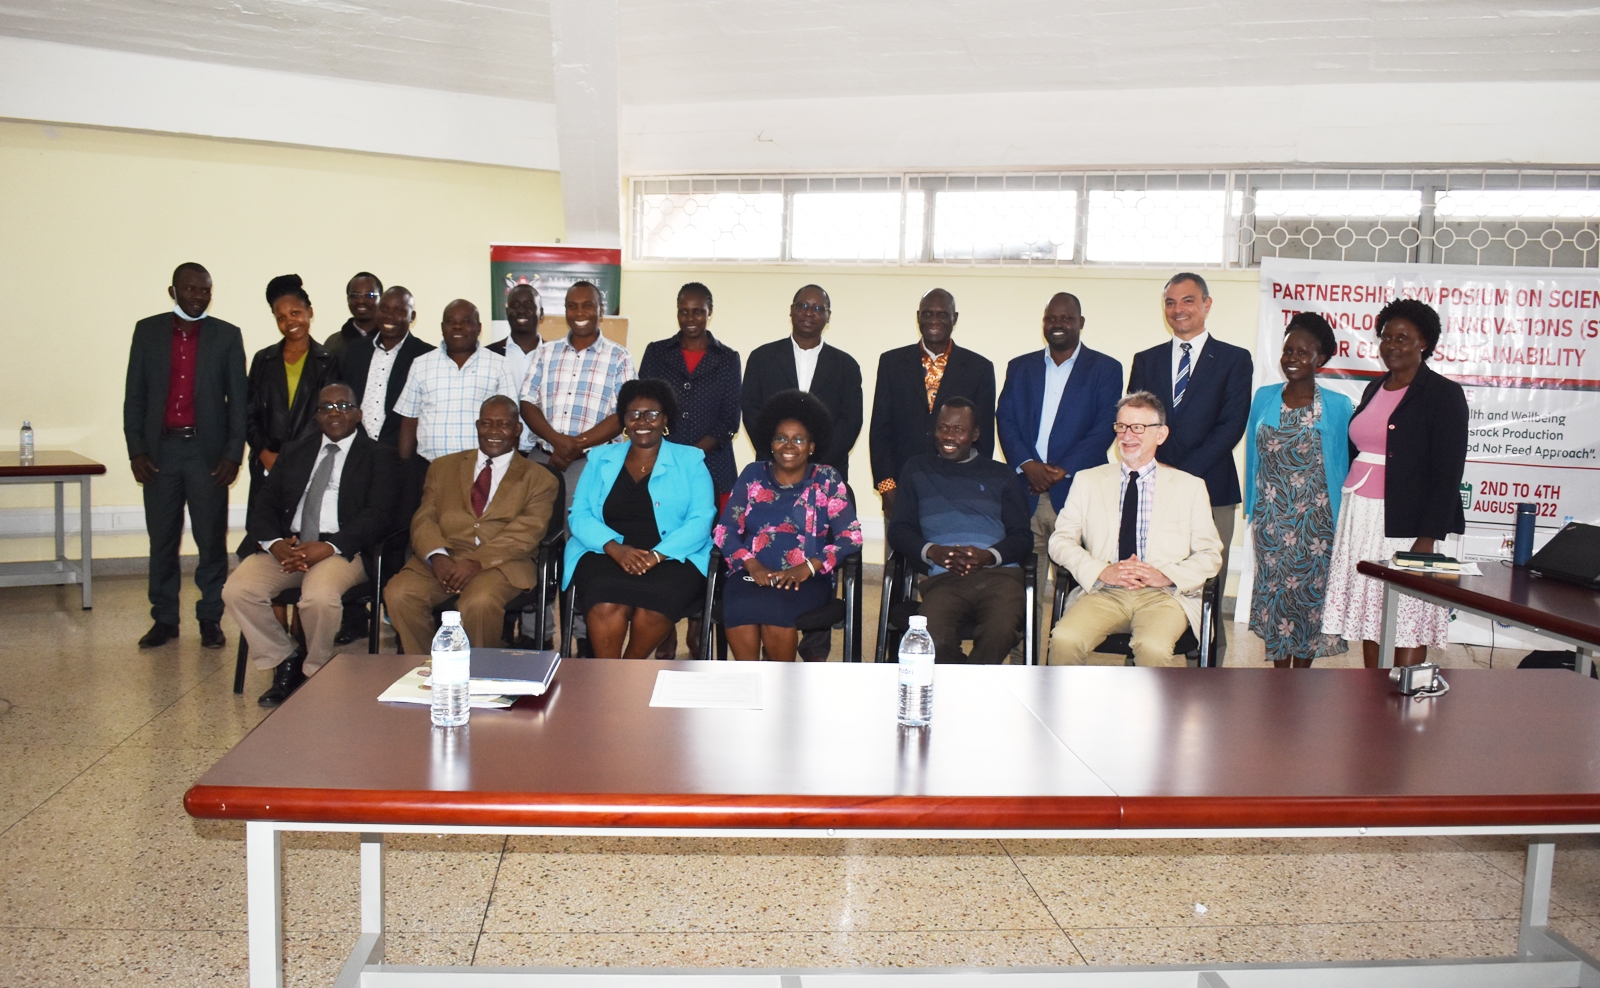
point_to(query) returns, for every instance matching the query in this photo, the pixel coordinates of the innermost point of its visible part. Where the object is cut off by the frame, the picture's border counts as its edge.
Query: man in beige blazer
(1140, 540)
(483, 513)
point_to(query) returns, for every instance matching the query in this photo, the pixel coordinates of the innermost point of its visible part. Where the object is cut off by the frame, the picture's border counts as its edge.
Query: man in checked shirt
(569, 398)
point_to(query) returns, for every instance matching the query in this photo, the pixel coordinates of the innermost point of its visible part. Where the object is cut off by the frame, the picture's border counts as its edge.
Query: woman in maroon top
(1408, 452)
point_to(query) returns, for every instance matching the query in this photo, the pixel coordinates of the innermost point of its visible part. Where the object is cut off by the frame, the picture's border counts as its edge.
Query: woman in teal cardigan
(639, 534)
(1296, 456)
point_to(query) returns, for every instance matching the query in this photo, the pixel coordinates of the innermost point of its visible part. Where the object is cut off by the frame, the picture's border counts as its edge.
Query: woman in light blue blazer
(1296, 455)
(639, 535)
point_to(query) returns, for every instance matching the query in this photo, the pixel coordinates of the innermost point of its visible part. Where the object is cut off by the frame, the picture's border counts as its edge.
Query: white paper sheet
(713, 689)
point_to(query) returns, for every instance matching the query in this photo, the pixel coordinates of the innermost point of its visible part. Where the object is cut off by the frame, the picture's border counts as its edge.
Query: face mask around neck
(177, 310)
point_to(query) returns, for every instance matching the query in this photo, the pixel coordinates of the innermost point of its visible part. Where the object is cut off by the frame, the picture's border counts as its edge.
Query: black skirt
(671, 587)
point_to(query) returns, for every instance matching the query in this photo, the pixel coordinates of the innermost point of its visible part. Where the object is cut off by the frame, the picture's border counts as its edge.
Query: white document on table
(711, 689)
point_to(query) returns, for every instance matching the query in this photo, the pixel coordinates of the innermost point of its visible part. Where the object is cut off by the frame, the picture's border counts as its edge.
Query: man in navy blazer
(1205, 385)
(1055, 414)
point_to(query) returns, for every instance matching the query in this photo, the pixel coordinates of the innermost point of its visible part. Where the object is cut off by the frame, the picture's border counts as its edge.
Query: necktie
(480, 490)
(311, 512)
(1128, 539)
(1183, 375)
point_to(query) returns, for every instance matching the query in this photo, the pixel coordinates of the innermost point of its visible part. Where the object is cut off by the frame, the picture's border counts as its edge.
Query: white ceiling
(695, 51)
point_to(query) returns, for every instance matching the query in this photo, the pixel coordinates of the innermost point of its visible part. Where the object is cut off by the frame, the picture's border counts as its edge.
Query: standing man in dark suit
(183, 416)
(1055, 417)
(361, 295)
(803, 361)
(330, 496)
(915, 379)
(1205, 385)
(384, 365)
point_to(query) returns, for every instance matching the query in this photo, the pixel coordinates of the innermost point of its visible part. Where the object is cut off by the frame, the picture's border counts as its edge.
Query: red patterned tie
(480, 491)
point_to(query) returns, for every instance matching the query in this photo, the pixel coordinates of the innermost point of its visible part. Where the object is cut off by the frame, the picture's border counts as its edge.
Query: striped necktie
(1183, 376)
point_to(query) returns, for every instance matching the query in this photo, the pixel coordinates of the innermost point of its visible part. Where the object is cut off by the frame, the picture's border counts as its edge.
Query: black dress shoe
(286, 678)
(346, 636)
(211, 635)
(159, 634)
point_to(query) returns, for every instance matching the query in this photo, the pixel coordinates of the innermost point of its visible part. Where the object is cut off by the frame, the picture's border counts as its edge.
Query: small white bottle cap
(919, 622)
(451, 619)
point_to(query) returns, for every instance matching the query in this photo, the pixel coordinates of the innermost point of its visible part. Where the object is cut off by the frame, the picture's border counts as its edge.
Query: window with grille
(1234, 218)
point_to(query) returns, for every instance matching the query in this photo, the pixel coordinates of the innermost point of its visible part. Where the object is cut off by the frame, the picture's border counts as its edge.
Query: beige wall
(95, 220)
(873, 311)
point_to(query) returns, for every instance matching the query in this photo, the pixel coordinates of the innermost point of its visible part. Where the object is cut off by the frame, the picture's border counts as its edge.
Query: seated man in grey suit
(329, 497)
(1139, 538)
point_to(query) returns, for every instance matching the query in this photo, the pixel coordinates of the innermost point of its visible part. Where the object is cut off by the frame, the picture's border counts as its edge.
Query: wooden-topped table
(1013, 751)
(1512, 595)
(59, 467)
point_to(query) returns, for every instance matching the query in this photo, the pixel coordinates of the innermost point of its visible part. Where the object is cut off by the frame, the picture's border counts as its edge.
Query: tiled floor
(105, 880)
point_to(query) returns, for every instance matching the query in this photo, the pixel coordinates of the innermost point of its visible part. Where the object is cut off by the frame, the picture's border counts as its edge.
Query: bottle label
(916, 670)
(451, 668)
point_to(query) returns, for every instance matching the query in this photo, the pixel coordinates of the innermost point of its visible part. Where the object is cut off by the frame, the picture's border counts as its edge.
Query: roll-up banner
(1524, 344)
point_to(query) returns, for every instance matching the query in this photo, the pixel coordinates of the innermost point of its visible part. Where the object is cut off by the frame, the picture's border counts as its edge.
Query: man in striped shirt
(569, 398)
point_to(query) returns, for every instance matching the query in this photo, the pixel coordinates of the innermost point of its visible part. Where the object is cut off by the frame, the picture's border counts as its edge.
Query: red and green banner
(551, 270)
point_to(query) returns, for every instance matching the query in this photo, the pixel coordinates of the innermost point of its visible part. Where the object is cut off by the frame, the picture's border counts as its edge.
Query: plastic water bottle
(452, 671)
(25, 443)
(916, 674)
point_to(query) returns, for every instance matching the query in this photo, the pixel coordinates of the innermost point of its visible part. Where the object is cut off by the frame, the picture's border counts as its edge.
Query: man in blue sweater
(964, 517)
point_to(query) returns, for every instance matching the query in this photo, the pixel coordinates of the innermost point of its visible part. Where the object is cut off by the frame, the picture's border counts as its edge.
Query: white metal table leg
(1585, 661)
(1536, 894)
(369, 946)
(85, 543)
(1391, 606)
(61, 522)
(264, 898)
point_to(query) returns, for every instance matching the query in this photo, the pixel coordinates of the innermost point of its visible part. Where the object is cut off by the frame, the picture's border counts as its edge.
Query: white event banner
(1524, 344)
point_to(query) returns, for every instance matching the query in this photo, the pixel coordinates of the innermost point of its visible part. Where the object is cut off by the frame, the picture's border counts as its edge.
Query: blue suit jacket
(1216, 405)
(680, 487)
(1082, 431)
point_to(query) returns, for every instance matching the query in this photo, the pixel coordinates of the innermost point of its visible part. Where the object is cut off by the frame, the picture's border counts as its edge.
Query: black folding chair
(844, 608)
(1201, 651)
(900, 601)
(368, 594)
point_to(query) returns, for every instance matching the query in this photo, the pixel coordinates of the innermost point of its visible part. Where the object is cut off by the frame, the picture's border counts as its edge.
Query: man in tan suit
(483, 513)
(1140, 540)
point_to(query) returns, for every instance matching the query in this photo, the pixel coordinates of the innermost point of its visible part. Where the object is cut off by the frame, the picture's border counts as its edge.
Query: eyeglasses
(932, 314)
(335, 406)
(815, 309)
(795, 441)
(642, 415)
(1137, 428)
(369, 296)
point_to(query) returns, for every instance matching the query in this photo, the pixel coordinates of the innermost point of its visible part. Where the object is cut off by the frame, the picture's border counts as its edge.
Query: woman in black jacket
(285, 379)
(1408, 450)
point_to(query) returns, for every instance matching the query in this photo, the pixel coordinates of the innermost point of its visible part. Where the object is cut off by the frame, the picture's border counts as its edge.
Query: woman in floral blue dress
(784, 529)
(1296, 456)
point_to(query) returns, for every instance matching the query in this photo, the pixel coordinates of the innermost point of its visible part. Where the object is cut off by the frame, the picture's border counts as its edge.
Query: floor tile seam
(767, 933)
(488, 900)
(56, 791)
(1519, 874)
(1047, 910)
(1266, 926)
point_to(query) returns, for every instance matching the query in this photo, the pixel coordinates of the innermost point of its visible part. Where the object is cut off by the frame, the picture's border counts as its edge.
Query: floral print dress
(783, 527)
(1292, 528)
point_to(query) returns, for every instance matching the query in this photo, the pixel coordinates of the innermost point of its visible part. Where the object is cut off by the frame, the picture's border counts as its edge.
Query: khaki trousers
(1154, 618)
(248, 597)
(414, 592)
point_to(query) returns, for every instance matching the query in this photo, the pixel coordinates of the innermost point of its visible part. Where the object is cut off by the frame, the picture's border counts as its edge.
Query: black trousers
(991, 601)
(185, 478)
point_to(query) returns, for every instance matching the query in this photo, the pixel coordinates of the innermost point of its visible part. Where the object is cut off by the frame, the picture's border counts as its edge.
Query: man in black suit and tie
(915, 379)
(1205, 384)
(329, 497)
(183, 417)
(376, 370)
(803, 361)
